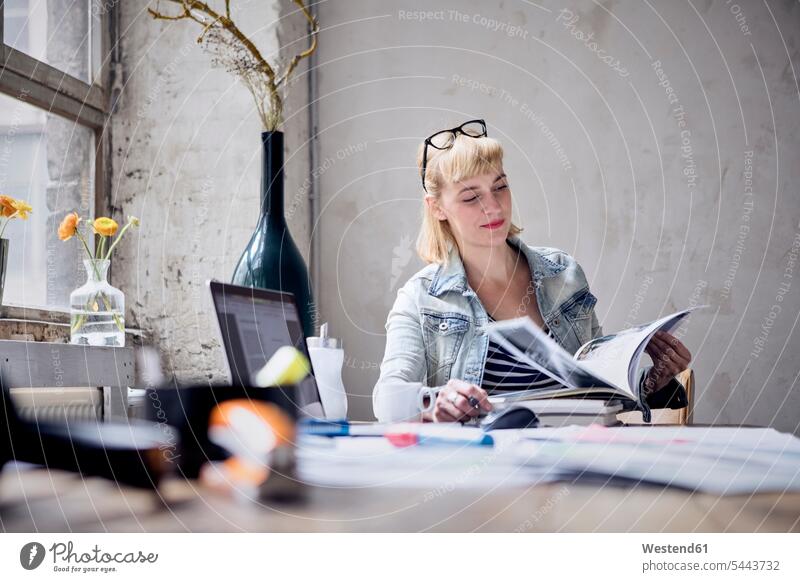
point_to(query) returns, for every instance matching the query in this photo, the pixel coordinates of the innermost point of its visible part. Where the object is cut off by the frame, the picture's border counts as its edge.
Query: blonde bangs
(468, 157)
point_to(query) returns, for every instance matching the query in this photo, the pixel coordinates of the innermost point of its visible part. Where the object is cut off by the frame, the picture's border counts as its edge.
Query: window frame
(89, 105)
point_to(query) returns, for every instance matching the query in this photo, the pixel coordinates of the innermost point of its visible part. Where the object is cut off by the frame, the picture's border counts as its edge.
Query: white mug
(403, 401)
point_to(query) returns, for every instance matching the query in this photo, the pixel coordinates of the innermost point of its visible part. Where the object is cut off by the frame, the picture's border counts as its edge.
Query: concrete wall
(666, 164)
(186, 160)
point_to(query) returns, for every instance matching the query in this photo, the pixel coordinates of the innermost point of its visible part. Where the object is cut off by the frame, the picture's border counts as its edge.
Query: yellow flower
(105, 226)
(69, 226)
(6, 205)
(22, 208)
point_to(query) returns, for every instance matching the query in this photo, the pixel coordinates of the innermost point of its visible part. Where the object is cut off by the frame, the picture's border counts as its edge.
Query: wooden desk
(39, 500)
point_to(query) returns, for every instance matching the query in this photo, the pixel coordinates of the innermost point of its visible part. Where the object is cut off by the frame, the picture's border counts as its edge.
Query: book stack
(564, 411)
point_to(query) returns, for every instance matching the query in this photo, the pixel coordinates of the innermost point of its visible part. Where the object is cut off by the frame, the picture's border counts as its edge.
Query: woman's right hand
(452, 402)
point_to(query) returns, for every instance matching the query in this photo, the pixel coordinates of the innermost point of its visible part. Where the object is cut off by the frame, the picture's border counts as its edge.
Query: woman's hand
(453, 402)
(670, 357)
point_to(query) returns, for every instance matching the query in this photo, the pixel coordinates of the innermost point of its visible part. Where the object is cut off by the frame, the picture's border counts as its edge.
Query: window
(53, 112)
(62, 33)
(48, 161)
(15, 25)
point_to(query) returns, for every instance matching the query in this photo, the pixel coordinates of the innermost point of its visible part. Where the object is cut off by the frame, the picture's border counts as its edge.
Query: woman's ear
(433, 206)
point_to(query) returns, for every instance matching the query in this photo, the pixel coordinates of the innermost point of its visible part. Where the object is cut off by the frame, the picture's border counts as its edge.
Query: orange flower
(69, 226)
(22, 208)
(105, 226)
(6, 205)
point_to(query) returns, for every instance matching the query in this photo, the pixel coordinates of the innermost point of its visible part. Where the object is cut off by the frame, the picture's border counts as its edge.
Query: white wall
(594, 157)
(187, 161)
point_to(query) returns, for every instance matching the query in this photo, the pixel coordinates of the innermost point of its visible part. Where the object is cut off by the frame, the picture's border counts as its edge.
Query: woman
(479, 270)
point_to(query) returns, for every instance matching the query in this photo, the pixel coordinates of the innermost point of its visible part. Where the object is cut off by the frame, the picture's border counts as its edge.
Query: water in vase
(97, 310)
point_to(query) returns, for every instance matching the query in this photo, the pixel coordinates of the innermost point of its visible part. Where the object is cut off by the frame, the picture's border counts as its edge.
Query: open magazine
(605, 367)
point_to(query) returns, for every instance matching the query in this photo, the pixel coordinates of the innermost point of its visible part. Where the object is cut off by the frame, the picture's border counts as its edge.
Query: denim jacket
(436, 329)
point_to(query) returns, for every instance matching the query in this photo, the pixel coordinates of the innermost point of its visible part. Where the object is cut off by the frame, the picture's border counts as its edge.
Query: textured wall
(186, 159)
(656, 141)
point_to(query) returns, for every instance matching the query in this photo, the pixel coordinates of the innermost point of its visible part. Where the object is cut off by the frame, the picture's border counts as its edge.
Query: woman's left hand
(670, 358)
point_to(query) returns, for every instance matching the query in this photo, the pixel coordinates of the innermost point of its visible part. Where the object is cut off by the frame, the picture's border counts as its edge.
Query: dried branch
(233, 50)
(312, 22)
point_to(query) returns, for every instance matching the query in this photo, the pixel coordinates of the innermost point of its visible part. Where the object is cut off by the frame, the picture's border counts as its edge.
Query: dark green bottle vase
(271, 259)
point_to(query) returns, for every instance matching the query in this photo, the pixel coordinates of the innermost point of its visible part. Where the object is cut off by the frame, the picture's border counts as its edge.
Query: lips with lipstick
(494, 225)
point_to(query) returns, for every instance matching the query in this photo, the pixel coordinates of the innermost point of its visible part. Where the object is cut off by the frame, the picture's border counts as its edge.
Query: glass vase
(97, 310)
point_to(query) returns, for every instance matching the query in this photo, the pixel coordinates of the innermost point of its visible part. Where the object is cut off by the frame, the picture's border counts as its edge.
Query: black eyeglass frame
(455, 131)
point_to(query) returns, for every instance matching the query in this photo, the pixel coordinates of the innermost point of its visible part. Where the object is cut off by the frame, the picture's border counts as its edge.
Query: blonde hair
(468, 157)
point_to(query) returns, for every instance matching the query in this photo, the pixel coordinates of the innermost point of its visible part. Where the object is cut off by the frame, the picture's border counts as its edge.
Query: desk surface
(54, 501)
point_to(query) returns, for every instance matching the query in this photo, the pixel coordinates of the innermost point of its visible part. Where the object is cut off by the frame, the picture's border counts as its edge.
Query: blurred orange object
(250, 431)
(256, 427)
(234, 476)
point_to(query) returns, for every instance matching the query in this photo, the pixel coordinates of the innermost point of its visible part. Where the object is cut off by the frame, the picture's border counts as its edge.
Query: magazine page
(523, 338)
(668, 327)
(616, 356)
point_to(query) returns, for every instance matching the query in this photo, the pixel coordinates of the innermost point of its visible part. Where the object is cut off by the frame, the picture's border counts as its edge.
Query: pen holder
(327, 360)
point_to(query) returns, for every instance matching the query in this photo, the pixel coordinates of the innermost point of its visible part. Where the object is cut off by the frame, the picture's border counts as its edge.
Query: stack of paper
(717, 460)
(375, 462)
(723, 461)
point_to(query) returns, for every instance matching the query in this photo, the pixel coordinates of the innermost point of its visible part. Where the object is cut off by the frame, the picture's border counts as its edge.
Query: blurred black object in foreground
(132, 453)
(188, 409)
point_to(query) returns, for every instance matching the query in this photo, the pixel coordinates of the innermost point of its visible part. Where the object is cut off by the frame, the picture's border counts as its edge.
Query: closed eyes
(474, 198)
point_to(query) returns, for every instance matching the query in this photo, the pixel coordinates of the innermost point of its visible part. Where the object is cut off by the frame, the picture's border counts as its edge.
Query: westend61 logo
(66, 559)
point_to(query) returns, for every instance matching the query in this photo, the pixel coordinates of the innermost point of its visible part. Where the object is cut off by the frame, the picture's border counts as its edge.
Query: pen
(320, 427)
(408, 439)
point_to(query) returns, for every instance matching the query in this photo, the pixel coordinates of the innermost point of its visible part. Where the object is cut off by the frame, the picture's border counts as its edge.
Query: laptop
(253, 324)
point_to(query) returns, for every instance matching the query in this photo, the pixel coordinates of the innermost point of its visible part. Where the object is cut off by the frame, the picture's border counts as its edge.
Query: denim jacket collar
(453, 277)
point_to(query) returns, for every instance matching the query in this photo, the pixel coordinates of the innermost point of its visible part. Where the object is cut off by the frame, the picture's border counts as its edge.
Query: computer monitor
(253, 324)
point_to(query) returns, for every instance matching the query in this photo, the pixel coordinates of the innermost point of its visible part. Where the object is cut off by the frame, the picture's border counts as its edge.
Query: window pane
(49, 162)
(61, 33)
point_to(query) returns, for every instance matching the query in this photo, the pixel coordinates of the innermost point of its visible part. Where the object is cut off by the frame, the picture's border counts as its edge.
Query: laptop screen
(254, 323)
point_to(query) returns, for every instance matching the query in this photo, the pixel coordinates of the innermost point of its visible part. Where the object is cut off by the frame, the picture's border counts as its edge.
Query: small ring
(452, 397)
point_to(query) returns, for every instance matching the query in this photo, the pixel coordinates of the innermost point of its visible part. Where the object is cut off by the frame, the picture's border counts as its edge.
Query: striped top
(504, 372)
